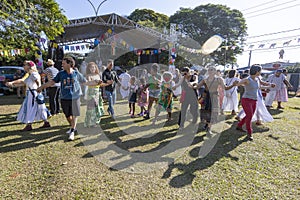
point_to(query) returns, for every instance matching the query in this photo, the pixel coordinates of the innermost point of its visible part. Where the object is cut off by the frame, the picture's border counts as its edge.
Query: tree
(22, 22)
(205, 21)
(150, 18)
(294, 69)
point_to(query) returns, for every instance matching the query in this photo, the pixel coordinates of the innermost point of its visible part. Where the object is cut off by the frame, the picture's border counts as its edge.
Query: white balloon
(212, 44)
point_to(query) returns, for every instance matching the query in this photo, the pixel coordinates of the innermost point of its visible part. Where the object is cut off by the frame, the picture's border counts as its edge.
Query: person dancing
(132, 97)
(70, 91)
(165, 100)
(95, 108)
(30, 109)
(249, 99)
(143, 96)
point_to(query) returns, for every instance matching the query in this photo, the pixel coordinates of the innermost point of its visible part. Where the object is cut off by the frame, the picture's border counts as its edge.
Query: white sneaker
(69, 131)
(72, 136)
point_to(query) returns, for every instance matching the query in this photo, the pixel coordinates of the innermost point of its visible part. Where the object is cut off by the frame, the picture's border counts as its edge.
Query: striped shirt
(51, 72)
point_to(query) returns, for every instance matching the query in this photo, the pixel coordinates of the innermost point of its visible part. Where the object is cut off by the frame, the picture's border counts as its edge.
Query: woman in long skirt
(95, 108)
(231, 100)
(211, 108)
(30, 110)
(261, 113)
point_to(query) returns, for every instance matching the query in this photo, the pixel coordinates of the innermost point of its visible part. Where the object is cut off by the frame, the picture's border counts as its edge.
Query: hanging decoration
(274, 45)
(281, 52)
(12, 52)
(39, 59)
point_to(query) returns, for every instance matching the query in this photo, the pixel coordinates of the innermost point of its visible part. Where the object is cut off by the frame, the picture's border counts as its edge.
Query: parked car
(6, 75)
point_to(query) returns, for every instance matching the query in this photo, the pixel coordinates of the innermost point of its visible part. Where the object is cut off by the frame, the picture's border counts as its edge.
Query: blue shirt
(69, 84)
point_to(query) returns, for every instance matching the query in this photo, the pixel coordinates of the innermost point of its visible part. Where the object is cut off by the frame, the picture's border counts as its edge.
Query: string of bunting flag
(16, 52)
(114, 40)
(76, 47)
(272, 45)
(13, 52)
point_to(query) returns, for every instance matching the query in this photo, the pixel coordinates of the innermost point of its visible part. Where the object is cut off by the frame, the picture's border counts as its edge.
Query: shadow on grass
(275, 111)
(228, 140)
(10, 100)
(8, 118)
(30, 139)
(278, 140)
(154, 143)
(295, 108)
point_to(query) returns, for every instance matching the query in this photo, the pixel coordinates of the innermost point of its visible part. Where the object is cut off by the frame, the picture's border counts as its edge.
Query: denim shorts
(154, 93)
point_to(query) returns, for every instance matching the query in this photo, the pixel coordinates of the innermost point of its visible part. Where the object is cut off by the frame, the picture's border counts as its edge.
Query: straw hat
(50, 62)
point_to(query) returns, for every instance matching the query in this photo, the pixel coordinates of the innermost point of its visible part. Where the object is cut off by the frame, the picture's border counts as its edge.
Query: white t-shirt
(125, 77)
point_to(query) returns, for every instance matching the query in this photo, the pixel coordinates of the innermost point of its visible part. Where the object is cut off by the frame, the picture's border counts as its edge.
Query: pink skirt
(282, 95)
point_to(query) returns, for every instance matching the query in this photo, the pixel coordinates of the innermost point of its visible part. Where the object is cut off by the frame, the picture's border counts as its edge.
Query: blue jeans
(111, 97)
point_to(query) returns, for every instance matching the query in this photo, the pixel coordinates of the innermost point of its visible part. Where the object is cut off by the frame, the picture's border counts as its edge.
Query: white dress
(177, 91)
(231, 100)
(261, 112)
(124, 89)
(277, 93)
(30, 109)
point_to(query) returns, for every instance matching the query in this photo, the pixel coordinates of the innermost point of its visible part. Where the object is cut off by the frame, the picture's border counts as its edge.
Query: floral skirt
(94, 107)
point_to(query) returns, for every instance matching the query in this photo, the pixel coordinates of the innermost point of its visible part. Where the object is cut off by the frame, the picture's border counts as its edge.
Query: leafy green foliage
(205, 21)
(18, 60)
(149, 18)
(294, 69)
(23, 21)
(129, 59)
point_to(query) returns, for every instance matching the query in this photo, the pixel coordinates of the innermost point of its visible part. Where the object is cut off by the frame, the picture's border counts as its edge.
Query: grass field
(42, 164)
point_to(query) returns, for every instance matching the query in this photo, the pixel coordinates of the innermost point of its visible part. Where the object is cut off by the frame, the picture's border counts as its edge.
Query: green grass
(42, 164)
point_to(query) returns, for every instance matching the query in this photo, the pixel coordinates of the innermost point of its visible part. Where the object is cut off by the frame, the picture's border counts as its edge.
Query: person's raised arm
(46, 85)
(181, 78)
(199, 85)
(13, 83)
(17, 82)
(242, 82)
(287, 83)
(267, 84)
(227, 87)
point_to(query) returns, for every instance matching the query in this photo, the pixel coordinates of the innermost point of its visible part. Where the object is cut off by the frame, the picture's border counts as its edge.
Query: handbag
(202, 99)
(40, 99)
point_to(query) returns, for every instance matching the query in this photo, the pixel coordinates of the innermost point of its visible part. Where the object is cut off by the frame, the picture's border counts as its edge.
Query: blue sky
(281, 16)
